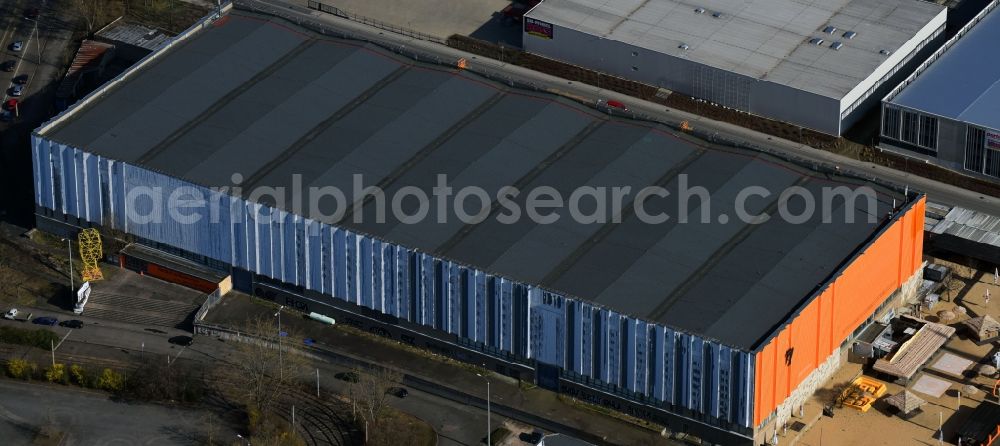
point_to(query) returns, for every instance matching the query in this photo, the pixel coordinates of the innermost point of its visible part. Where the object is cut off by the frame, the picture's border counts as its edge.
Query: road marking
(20, 58)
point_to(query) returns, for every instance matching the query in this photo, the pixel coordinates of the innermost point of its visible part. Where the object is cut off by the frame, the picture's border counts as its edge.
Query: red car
(11, 104)
(617, 104)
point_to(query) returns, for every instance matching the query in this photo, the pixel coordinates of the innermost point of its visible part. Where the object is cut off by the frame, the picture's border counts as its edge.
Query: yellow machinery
(90, 254)
(862, 392)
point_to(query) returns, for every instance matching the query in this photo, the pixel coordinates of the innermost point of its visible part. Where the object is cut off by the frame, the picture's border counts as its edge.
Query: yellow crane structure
(90, 253)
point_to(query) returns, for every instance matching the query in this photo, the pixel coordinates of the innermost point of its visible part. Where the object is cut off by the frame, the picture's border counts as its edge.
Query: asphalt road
(91, 418)
(456, 423)
(42, 59)
(936, 191)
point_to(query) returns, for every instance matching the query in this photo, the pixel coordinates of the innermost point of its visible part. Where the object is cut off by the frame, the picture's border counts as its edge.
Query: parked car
(398, 392)
(350, 377)
(20, 79)
(531, 438)
(10, 314)
(10, 104)
(16, 90)
(9, 65)
(184, 341)
(17, 45)
(72, 323)
(31, 13)
(45, 320)
(6, 115)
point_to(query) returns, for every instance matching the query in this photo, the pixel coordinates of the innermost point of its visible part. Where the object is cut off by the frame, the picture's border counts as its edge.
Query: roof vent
(836, 45)
(816, 41)
(717, 15)
(850, 34)
(683, 46)
(699, 10)
(830, 29)
(885, 52)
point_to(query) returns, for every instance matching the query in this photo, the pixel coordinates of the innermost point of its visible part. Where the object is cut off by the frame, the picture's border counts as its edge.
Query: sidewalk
(456, 381)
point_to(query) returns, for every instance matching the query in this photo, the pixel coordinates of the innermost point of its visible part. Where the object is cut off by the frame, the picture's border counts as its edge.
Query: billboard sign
(992, 140)
(82, 295)
(538, 28)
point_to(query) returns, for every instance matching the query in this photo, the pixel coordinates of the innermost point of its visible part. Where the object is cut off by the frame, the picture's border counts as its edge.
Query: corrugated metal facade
(595, 346)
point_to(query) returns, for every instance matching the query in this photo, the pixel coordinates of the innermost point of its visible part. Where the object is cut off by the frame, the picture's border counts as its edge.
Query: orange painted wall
(828, 320)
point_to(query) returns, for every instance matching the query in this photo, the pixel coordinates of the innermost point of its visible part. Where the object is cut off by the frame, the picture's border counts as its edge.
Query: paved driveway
(89, 418)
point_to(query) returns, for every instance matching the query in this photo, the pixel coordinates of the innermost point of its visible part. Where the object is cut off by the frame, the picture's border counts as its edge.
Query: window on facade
(928, 132)
(911, 127)
(890, 122)
(974, 150)
(992, 167)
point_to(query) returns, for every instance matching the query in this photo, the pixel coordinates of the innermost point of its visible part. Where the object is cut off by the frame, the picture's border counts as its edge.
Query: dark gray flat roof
(268, 100)
(964, 83)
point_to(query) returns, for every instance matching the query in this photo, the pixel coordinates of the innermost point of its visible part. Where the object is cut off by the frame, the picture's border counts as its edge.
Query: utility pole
(281, 363)
(940, 428)
(52, 345)
(489, 428)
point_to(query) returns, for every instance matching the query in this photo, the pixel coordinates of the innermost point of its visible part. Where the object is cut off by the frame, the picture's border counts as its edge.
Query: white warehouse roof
(761, 39)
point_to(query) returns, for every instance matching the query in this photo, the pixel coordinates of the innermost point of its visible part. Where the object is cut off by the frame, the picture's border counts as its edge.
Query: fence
(213, 298)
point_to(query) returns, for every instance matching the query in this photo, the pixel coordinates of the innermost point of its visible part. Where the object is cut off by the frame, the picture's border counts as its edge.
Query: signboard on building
(538, 28)
(992, 140)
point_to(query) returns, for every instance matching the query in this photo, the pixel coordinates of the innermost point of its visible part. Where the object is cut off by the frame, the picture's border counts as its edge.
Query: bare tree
(97, 13)
(266, 363)
(370, 396)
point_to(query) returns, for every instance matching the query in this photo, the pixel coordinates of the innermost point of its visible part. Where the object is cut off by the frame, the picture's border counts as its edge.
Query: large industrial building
(719, 328)
(948, 111)
(819, 65)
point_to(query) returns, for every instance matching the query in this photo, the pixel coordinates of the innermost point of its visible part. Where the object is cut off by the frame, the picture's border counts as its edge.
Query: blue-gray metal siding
(627, 356)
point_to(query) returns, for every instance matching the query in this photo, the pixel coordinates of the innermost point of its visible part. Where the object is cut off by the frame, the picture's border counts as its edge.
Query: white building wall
(774, 101)
(763, 98)
(894, 62)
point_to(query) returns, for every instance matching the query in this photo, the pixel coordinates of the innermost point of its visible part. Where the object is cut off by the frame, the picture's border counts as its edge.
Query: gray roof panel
(325, 109)
(762, 39)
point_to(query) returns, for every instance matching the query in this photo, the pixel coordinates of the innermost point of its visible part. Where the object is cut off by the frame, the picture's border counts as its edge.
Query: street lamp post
(940, 427)
(489, 428)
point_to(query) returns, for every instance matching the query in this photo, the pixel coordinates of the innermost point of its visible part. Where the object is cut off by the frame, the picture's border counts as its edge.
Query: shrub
(110, 381)
(78, 375)
(156, 381)
(56, 373)
(39, 338)
(20, 369)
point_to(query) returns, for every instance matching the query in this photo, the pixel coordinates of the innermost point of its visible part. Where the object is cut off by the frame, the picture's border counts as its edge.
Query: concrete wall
(951, 144)
(767, 99)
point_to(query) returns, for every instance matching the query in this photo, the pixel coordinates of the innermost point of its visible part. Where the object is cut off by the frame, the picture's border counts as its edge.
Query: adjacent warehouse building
(814, 64)
(715, 327)
(948, 111)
